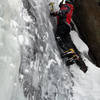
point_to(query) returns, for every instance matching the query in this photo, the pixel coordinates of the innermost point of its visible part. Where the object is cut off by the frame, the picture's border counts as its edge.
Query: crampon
(70, 56)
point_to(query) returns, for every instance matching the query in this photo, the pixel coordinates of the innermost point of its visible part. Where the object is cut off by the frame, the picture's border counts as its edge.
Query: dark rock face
(87, 18)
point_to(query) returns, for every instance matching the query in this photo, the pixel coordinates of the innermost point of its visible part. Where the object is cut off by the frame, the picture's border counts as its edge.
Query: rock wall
(87, 18)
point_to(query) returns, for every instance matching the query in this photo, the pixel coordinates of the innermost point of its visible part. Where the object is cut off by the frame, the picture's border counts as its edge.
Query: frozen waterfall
(30, 64)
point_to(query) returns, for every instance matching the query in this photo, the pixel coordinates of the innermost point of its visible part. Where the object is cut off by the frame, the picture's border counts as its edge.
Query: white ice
(9, 51)
(87, 86)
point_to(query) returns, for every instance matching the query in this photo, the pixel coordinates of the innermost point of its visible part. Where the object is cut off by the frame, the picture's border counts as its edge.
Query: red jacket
(65, 13)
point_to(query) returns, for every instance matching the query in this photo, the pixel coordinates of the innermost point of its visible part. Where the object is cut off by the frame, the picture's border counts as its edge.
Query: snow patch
(80, 45)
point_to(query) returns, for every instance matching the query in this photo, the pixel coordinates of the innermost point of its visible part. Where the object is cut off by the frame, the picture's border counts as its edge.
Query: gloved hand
(52, 13)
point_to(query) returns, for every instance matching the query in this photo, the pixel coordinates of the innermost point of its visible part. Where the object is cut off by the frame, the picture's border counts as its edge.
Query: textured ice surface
(9, 52)
(45, 75)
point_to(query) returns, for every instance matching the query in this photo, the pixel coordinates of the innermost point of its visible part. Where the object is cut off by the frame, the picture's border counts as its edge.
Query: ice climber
(64, 26)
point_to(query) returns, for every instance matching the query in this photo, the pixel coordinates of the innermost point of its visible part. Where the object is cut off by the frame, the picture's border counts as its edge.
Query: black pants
(65, 43)
(63, 37)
